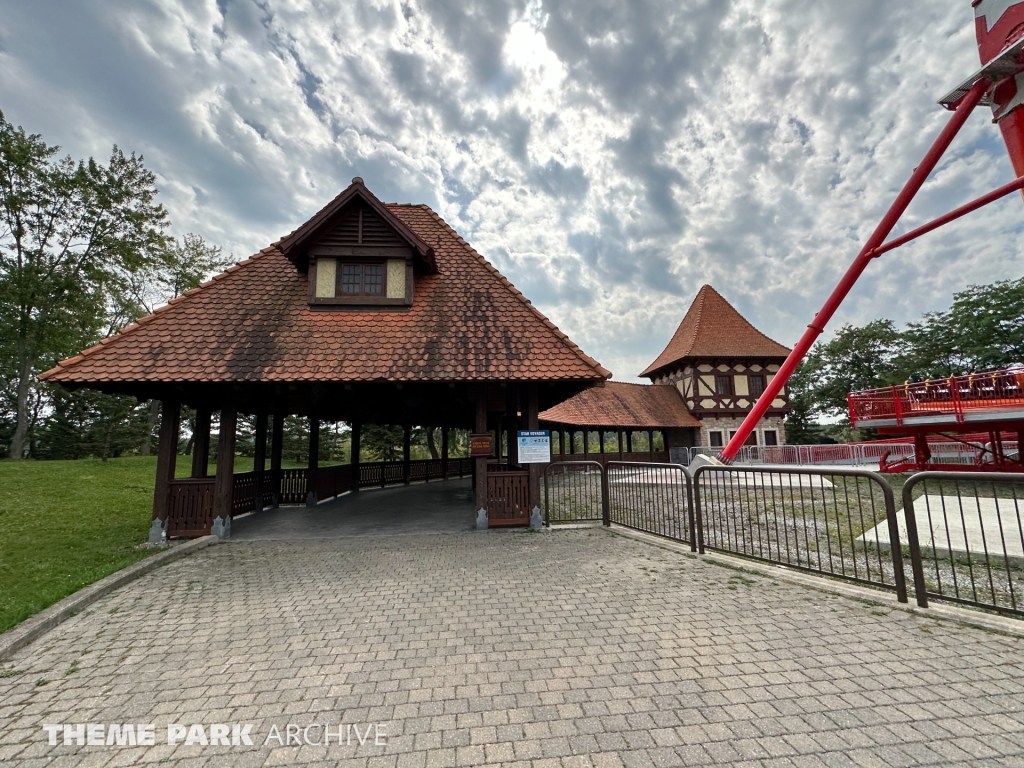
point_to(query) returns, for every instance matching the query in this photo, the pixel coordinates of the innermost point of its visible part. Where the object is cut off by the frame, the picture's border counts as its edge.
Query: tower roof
(713, 328)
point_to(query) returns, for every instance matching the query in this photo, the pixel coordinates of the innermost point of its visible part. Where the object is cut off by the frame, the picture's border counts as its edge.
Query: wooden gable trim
(297, 245)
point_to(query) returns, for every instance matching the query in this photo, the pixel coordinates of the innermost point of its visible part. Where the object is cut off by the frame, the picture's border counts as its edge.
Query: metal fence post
(606, 512)
(547, 519)
(698, 516)
(914, 541)
(895, 549)
(690, 510)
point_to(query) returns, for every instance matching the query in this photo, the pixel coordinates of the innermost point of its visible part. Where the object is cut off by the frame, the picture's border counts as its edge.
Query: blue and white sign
(535, 446)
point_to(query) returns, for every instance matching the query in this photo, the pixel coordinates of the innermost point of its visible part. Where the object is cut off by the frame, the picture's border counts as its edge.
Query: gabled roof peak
(295, 245)
(713, 328)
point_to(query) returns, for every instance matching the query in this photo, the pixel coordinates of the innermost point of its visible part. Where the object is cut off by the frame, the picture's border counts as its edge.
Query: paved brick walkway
(564, 648)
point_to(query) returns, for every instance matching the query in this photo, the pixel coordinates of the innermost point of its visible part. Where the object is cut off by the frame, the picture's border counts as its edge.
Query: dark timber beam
(354, 448)
(259, 457)
(314, 460)
(167, 452)
(201, 443)
(531, 411)
(276, 448)
(480, 463)
(406, 453)
(224, 484)
(444, 452)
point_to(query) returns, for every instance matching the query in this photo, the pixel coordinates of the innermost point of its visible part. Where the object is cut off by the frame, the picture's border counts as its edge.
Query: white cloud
(609, 157)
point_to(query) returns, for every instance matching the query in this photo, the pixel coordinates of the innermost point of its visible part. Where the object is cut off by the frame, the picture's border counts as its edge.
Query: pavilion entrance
(440, 506)
(506, 491)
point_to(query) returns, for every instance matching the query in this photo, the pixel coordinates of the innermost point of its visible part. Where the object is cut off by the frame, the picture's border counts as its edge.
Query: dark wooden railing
(293, 486)
(190, 511)
(333, 481)
(244, 495)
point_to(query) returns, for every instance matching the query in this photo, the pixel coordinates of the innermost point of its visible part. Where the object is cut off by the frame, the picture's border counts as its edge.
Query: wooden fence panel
(508, 498)
(243, 497)
(190, 512)
(294, 486)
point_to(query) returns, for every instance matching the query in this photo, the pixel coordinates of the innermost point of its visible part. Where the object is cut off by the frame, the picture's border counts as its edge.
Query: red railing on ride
(952, 396)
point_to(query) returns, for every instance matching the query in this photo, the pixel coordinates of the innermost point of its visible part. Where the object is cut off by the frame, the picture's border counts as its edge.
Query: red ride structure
(991, 402)
(999, 84)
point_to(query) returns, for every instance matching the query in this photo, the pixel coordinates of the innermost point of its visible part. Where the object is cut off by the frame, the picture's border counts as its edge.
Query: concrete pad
(977, 526)
(443, 506)
(742, 477)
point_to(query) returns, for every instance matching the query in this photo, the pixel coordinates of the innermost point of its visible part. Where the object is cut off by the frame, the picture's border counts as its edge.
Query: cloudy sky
(609, 156)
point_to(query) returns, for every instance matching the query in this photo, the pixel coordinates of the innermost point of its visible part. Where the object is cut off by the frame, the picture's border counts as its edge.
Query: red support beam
(892, 216)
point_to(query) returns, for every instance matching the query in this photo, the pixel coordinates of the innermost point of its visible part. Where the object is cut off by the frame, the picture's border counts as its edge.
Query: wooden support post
(224, 485)
(201, 443)
(561, 443)
(650, 443)
(406, 453)
(354, 448)
(444, 452)
(276, 448)
(480, 463)
(512, 424)
(629, 441)
(586, 444)
(600, 439)
(259, 456)
(620, 445)
(531, 411)
(167, 452)
(314, 459)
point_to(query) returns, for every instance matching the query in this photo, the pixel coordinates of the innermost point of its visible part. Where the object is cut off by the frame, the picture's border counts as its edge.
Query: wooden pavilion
(621, 410)
(368, 313)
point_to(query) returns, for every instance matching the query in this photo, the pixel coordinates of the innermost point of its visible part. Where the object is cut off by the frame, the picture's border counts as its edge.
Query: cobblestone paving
(568, 648)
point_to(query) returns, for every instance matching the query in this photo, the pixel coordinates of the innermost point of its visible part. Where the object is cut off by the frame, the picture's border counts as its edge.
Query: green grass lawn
(65, 524)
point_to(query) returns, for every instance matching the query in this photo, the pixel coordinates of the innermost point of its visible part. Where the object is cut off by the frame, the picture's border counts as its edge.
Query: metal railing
(967, 530)
(654, 498)
(819, 520)
(848, 454)
(574, 491)
(952, 396)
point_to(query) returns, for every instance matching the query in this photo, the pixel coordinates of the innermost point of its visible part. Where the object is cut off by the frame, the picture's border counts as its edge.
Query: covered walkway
(439, 507)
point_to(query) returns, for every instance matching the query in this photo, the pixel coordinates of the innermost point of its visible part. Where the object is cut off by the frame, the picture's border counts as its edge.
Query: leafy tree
(70, 234)
(855, 358)
(982, 330)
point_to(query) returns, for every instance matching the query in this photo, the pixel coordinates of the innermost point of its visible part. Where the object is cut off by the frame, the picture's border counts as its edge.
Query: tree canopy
(982, 330)
(84, 251)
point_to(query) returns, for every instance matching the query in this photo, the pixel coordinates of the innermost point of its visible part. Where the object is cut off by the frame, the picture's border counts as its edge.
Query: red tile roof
(713, 328)
(254, 323)
(619, 404)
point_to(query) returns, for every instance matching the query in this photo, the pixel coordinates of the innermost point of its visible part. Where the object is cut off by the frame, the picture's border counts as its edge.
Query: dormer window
(362, 279)
(382, 282)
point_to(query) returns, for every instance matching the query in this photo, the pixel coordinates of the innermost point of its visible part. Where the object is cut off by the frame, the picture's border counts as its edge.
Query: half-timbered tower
(720, 364)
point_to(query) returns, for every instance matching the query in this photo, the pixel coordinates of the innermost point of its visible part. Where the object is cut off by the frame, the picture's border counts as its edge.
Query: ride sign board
(481, 445)
(535, 446)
